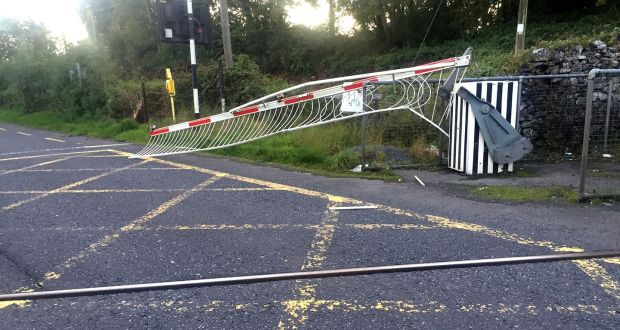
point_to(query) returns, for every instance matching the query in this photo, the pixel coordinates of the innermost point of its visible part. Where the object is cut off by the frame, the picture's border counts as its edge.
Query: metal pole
(610, 93)
(221, 281)
(363, 133)
(192, 52)
(220, 69)
(586, 137)
(144, 103)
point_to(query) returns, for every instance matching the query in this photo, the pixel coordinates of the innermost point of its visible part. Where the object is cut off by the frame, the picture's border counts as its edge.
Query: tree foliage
(38, 72)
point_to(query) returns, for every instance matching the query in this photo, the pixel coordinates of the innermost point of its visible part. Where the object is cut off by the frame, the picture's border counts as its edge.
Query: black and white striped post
(192, 51)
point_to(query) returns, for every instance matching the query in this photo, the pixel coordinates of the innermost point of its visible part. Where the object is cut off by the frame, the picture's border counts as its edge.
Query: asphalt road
(73, 215)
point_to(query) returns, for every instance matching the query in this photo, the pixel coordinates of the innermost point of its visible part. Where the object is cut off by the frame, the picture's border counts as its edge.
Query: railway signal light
(172, 21)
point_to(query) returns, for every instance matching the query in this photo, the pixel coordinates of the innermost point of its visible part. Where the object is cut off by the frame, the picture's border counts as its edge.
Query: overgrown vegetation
(39, 79)
(517, 194)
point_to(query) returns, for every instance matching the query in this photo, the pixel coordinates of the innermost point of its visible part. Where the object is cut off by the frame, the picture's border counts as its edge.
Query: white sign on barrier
(352, 101)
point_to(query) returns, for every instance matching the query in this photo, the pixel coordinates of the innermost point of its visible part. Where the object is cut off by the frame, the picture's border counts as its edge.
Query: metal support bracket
(505, 144)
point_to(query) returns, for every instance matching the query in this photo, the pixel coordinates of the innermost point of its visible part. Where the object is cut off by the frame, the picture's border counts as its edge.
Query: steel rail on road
(222, 281)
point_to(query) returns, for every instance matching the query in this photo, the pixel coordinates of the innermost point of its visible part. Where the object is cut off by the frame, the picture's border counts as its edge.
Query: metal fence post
(363, 133)
(586, 135)
(610, 93)
(145, 115)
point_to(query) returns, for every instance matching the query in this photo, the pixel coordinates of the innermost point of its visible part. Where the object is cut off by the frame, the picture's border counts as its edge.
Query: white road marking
(22, 133)
(2, 129)
(52, 155)
(59, 149)
(55, 140)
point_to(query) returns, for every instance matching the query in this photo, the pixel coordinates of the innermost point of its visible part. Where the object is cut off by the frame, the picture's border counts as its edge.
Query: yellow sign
(170, 83)
(171, 91)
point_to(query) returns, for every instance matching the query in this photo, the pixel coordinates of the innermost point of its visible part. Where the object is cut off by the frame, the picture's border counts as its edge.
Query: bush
(342, 161)
(243, 82)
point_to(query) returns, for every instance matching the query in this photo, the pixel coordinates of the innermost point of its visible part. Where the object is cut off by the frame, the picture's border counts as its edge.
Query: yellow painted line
(52, 155)
(103, 169)
(597, 275)
(60, 149)
(274, 226)
(297, 310)
(103, 156)
(25, 134)
(615, 261)
(229, 227)
(217, 227)
(68, 187)
(390, 226)
(109, 239)
(122, 191)
(405, 308)
(242, 189)
(55, 140)
(164, 207)
(16, 303)
(35, 165)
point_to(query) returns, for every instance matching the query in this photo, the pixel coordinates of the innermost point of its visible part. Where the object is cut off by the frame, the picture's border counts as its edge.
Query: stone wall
(553, 110)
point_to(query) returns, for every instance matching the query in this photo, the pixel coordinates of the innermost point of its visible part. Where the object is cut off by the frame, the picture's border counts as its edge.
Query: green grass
(526, 194)
(316, 150)
(105, 128)
(323, 150)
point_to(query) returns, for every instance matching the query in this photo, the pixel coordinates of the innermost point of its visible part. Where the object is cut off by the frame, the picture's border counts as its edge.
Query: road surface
(77, 212)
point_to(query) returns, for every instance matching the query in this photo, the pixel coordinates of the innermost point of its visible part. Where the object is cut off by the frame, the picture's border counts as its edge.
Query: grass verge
(526, 194)
(316, 150)
(104, 128)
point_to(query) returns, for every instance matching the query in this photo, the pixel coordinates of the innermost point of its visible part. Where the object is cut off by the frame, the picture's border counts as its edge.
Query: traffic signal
(173, 25)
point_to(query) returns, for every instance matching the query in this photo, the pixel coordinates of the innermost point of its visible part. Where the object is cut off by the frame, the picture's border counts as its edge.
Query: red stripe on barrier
(360, 83)
(448, 60)
(159, 131)
(355, 85)
(245, 111)
(424, 71)
(296, 99)
(200, 121)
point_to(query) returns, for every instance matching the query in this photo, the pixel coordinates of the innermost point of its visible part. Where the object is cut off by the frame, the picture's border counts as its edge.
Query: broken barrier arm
(505, 144)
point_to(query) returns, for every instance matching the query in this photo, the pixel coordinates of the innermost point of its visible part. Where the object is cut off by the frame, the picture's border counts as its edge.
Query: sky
(62, 19)
(59, 16)
(305, 14)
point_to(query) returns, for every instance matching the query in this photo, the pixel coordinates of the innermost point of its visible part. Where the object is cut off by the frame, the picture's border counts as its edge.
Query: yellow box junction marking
(69, 186)
(305, 290)
(53, 155)
(400, 307)
(35, 165)
(591, 268)
(597, 274)
(109, 239)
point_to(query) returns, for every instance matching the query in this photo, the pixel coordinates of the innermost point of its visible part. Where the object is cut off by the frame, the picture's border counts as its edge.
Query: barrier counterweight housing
(468, 152)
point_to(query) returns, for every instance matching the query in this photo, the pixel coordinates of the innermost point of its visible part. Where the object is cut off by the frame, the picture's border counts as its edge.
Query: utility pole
(521, 25)
(228, 59)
